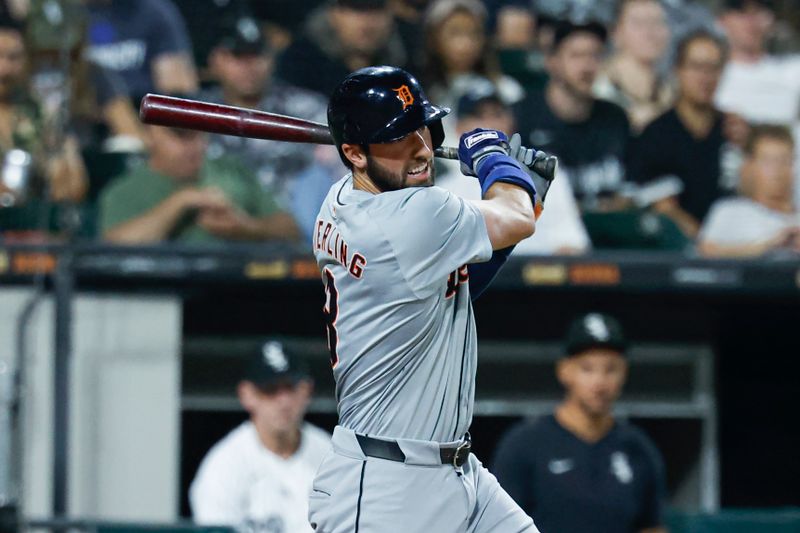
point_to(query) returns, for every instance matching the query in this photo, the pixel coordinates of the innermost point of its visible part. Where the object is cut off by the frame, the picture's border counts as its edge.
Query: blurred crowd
(674, 122)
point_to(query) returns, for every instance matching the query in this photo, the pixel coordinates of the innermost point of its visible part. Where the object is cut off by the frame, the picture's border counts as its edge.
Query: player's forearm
(153, 226)
(508, 212)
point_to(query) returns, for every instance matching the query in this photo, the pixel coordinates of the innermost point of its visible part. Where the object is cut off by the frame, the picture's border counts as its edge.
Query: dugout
(151, 337)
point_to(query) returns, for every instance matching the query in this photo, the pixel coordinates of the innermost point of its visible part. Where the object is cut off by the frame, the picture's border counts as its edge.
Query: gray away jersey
(400, 323)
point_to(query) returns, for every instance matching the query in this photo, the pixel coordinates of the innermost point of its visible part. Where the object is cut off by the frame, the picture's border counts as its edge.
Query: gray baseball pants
(355, 493)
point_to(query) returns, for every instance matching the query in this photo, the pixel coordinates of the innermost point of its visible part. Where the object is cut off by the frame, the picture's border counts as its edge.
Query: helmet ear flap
(437, 133)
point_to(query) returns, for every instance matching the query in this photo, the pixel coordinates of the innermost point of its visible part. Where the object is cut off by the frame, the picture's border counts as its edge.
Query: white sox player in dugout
(401, 261)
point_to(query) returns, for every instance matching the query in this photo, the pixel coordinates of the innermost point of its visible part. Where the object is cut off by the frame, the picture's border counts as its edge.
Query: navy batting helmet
(379, 105)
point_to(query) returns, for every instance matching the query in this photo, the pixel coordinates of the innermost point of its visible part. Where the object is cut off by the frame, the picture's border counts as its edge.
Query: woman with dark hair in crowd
(458, 52)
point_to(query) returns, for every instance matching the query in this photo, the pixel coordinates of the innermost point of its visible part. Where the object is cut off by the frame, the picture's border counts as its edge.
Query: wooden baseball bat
(229, 120)
(174, 112)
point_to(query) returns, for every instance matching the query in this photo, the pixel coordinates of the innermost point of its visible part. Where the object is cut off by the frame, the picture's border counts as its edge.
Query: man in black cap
(338, 38)
(243, 65)
(579, 470)
(259, 476)
(589, 136)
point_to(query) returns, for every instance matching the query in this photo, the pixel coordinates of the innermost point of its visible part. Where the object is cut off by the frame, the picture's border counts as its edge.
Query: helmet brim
(408, 122)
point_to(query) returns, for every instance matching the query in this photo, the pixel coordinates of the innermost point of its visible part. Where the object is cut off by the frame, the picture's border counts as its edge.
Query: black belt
(390, 450)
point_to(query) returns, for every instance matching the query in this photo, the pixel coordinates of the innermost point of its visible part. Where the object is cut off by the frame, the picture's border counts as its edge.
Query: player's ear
(247, 394)
(624, 370)
(356, 155)
(306, 388)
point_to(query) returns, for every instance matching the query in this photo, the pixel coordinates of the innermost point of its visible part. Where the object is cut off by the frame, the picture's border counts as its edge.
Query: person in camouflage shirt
(57, 171)
(297, 176)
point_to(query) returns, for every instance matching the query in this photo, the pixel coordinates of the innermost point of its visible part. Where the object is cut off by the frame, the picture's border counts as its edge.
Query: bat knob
(545, 165)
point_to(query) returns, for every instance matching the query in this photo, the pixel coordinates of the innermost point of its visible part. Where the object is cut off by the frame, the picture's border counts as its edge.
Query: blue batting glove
(476, 145)
(485, 154)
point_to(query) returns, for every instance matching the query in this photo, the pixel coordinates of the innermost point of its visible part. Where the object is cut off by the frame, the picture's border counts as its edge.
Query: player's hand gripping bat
(229, 120)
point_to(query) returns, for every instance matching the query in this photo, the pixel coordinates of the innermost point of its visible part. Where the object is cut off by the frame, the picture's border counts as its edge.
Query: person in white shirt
(564, 233)
(258, 477)
(759, 87)
(764, 219)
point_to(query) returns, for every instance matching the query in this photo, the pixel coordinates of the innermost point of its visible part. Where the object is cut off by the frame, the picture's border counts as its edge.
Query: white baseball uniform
(242, 483)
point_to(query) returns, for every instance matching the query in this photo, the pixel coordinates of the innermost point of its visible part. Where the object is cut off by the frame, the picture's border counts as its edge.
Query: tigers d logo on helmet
(404, 95)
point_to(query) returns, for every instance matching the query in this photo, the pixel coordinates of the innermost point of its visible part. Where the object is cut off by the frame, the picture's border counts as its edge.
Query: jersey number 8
(331, 311)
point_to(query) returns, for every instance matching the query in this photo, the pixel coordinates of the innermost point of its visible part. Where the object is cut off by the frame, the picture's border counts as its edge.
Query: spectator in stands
(259, 476)
(630, 77)
(760, 87)
(561, 230)
(338, 38)
(180, 194)
(299, 176)
(458, 54)
(764, 218)
(15, 9)
(408, 16)
(50, 158)
(98, 105)
(146, 42)
(516, 37)
(205, 22)
(589, 135)
(757, 87)
(688, 142)
(579, 469)
(514, 26)
(683, 18)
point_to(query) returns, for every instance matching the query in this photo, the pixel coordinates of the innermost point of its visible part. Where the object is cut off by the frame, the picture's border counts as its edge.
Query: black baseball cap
(595, 330)
(475, 96)
(243, 36)
(565, 28)
(271, 363)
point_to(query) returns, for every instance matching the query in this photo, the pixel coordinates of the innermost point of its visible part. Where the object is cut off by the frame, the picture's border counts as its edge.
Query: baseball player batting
(401, 261)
